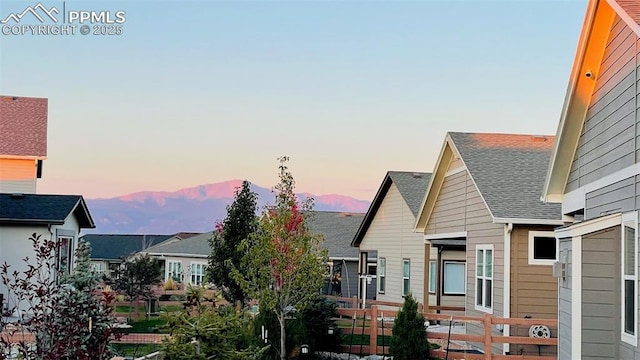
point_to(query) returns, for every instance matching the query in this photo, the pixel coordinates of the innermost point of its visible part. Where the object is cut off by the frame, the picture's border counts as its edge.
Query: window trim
(408, 278)
(169, 276)
(482, 307)
(433, 265)
(545, 234)
(629, 220)
(382, 276)
(192, 274)
(464, 287)
(70, 251)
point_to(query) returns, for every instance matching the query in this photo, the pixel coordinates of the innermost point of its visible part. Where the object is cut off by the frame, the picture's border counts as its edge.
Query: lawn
(153, 325)
(135, 350)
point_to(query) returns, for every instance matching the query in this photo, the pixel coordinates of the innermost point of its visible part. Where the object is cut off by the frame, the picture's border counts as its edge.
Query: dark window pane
(381, 282)
(479, 292)
(487, 297)
(629, 307)
(544, 248)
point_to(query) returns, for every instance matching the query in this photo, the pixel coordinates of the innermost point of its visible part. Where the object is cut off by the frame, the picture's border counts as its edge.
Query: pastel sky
(201, 92)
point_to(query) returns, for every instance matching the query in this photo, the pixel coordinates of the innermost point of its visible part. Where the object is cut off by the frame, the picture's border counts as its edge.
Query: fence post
(373, 336)
(487, 337)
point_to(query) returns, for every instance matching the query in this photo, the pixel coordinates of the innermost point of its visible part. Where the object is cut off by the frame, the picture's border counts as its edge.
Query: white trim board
(576, 297)
(576, 199)
(506, 288)
(455, 171)
(589, 226)
(528, 221)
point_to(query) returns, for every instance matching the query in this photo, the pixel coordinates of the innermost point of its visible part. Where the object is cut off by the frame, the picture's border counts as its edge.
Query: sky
(198, 92)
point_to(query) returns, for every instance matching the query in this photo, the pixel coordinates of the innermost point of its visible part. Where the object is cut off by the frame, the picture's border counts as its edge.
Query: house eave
(523, 221)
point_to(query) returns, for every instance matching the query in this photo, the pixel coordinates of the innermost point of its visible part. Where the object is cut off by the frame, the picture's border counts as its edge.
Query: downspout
(439, 276)
(506, 311)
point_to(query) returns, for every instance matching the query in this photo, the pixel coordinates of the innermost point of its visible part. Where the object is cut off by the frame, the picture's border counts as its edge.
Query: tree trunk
(283, 337)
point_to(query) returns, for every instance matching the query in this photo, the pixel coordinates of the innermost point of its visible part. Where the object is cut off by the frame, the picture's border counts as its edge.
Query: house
(484, 193)
(183, 259)
(594, 173)
(338, 228)
(23, 142)
(108, 251)
(57, 217)
(386, 233)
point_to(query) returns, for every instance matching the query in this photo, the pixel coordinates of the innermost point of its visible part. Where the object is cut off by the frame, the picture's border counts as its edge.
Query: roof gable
(119, 246)
(43, 209)
(507, 170)
(412, 187)
(23, 126)
(598, 22)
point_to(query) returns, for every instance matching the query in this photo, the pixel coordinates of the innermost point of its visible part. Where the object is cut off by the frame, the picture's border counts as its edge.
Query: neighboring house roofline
(26, 208)
(199, 256)
(434, 188)
(377, 202)
(598, 20)
(479, 152)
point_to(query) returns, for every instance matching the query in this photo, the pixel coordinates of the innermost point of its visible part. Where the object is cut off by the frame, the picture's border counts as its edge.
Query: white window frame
(482, 307)
(170, 270)
(98, 267)
(193, 274)
(68, 253)
(629, 220)
(444, 274)
(382, 275)
(544, 234)
(406, 291)
(433, 275)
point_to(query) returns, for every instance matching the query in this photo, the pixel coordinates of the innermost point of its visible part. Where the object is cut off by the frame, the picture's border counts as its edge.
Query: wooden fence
(374, 321)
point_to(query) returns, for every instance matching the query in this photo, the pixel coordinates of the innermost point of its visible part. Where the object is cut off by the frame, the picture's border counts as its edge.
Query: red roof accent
(23, 126)
(632, 8)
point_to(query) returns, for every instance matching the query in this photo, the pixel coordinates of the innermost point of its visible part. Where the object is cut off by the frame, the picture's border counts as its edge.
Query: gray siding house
(338, 229)
(594, 173)
(386, 233)
(484, 193)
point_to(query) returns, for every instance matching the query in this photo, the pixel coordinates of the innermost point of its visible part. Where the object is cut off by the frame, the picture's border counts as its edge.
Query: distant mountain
(194, 209)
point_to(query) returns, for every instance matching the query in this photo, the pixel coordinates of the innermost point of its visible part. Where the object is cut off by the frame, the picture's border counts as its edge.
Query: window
(454, 275)
(382, 274)
(372, 270)
(175, 270)
(197, 273)
(64, 254)
(406, 276)
(629, 278)
(433, 273)
(484, 278)
(98, 267)
(543, 248)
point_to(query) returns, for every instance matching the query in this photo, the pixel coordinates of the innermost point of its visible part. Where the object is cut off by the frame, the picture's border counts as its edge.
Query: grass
(147, 326)
(135, 349)
(125, 309)
(171, 308)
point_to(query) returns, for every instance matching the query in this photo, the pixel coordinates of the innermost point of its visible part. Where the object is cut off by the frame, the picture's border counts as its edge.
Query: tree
(241, 221)
(136, 277)
(68, 317)
(409, 339)
(283, 262)
(211, 333)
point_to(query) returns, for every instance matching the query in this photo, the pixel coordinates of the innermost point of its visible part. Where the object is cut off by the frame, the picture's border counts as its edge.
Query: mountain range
(194, 209)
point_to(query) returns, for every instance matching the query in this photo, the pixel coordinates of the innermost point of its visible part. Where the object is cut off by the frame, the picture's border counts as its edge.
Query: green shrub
(409, 340)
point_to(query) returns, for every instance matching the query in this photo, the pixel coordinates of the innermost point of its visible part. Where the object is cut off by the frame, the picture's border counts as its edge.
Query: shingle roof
(194, 245)
(412, 187)
(509, 171)
(338, 229)
(23, 126)
(115, 246)
(43, 209)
